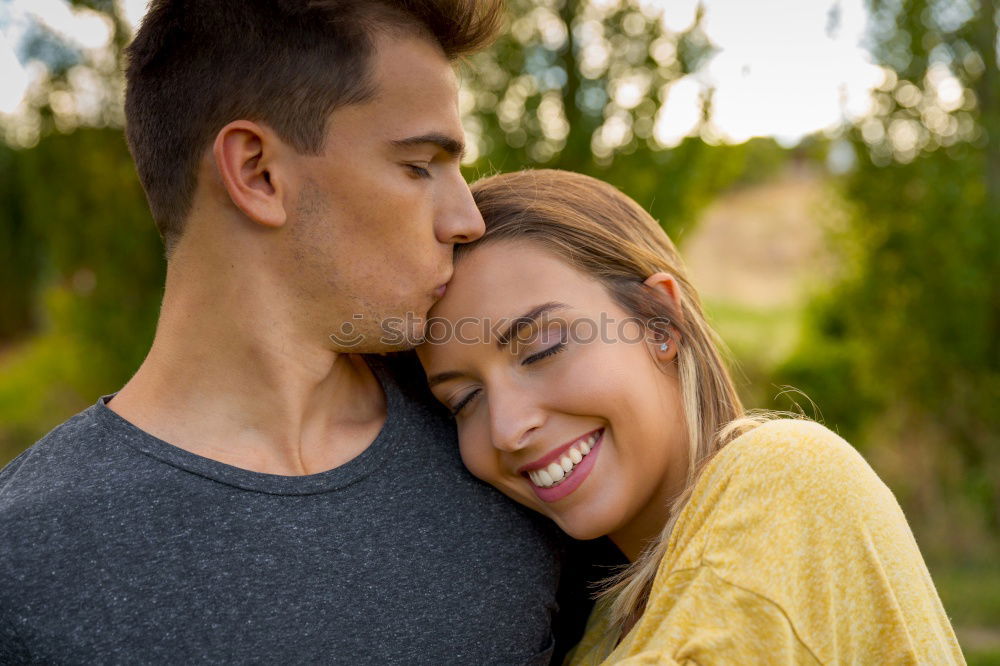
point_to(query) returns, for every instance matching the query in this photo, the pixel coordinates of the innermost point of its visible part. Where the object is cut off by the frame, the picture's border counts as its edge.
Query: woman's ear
(664, 333)
(666, 286)
(246, 155)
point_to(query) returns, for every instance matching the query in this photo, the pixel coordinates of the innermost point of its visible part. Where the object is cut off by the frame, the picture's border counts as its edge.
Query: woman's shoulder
(791, 513)
(791, 456)
(790, 536)
(785, 480)
(791, 441)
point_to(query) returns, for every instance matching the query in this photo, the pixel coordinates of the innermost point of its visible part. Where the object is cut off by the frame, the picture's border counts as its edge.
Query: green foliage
(971, 596)
(756, 339)
(913, 330)
(19, 263)
(990, 658)
(91, 267)
(577, 85)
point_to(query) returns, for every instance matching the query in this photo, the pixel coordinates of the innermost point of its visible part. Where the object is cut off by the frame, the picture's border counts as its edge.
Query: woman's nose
(514, 416)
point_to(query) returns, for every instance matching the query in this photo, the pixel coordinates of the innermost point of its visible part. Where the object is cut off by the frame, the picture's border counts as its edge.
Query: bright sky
(779, 72)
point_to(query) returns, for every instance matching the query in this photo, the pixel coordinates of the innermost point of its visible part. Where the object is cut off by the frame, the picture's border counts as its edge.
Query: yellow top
(790, 551)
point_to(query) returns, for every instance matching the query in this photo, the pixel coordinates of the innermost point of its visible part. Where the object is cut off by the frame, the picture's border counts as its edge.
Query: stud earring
(663, 347)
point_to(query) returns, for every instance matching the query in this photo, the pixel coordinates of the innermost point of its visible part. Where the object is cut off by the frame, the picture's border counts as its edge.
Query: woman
(585, 384)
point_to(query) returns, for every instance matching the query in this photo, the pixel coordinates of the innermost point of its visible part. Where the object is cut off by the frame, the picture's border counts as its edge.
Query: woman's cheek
(477, 457)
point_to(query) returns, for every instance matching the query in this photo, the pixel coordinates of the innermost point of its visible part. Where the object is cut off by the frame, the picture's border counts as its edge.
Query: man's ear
(246, 156)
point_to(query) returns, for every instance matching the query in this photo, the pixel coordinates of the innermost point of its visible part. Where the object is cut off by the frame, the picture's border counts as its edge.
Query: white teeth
(560, 469)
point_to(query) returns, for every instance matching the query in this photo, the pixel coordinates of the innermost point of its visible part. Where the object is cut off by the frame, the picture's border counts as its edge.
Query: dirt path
(763, 245)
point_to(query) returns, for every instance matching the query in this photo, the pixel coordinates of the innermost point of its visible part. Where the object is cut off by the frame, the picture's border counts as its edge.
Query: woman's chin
(574, 525)
(581, 532)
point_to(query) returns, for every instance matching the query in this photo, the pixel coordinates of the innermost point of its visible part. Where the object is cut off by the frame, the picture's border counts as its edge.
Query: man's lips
(442, 287)
(554, 455)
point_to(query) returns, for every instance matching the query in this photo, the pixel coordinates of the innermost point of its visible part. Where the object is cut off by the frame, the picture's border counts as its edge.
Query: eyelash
(554, 349)
(457, 408)
(418, 171)
(534, 358)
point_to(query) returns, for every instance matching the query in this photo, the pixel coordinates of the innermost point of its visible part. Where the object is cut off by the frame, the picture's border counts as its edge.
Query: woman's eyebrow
(527, 319)
(504, 339)
(442, 377)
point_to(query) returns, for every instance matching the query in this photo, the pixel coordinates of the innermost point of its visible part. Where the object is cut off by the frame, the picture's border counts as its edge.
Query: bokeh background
(829, 168)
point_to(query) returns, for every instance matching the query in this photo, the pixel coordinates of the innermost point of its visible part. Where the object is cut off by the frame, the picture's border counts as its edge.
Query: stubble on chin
(374, 333)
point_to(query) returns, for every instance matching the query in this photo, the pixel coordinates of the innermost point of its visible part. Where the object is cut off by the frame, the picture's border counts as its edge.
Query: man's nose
(458, 219)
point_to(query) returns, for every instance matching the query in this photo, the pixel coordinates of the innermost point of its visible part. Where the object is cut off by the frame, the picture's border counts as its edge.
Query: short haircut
(197, 65)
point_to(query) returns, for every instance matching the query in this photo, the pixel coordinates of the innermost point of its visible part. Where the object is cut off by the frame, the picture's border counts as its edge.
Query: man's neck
(232, 376)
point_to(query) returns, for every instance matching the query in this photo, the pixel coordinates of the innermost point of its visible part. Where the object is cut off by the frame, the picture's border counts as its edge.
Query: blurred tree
(581, 85)
(913, 331)
(18, 259)
(95, 262)
(79, 86)
(80, 261)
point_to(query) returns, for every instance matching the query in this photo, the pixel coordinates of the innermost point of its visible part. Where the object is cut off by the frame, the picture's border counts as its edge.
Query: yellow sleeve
(796, 515)
(790, 551)
(699, 618)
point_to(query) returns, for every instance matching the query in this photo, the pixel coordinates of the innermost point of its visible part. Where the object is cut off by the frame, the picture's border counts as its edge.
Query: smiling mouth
(559, 470)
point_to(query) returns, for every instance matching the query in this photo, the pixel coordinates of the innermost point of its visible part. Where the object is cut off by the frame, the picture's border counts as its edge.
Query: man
(258, 492)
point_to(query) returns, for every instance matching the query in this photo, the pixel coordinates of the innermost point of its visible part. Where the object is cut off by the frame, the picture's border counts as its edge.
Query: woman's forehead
(505, 277)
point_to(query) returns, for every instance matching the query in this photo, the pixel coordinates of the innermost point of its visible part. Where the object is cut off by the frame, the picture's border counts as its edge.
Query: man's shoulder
(56, 467)
(425, 418)
(62, 442)
(408, 376)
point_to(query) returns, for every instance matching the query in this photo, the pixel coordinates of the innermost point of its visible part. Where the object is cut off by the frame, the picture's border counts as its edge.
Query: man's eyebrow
(454, 147)
(527, 319)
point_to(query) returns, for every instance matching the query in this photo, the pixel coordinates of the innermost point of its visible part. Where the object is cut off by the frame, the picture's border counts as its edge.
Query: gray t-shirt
(117, 547)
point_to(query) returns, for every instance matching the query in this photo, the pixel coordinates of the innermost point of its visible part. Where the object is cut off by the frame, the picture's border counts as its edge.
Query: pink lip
(575, 478)
(553, 455)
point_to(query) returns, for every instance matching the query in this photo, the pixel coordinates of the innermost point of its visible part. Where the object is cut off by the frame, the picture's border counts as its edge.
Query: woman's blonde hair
(608, 236)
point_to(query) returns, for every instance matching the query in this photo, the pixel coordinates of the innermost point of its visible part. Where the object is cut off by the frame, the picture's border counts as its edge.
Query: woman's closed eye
(545, 353)
(533, 358)
(463, 402)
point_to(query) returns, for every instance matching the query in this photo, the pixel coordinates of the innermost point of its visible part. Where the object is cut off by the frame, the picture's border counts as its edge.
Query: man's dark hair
(197, 65)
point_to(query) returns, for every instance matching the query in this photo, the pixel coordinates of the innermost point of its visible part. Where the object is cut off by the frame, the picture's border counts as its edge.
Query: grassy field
(755, 257)
(971, 596)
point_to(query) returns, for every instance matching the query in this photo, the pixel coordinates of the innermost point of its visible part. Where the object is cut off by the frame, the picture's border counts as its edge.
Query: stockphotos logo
(412, 330)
